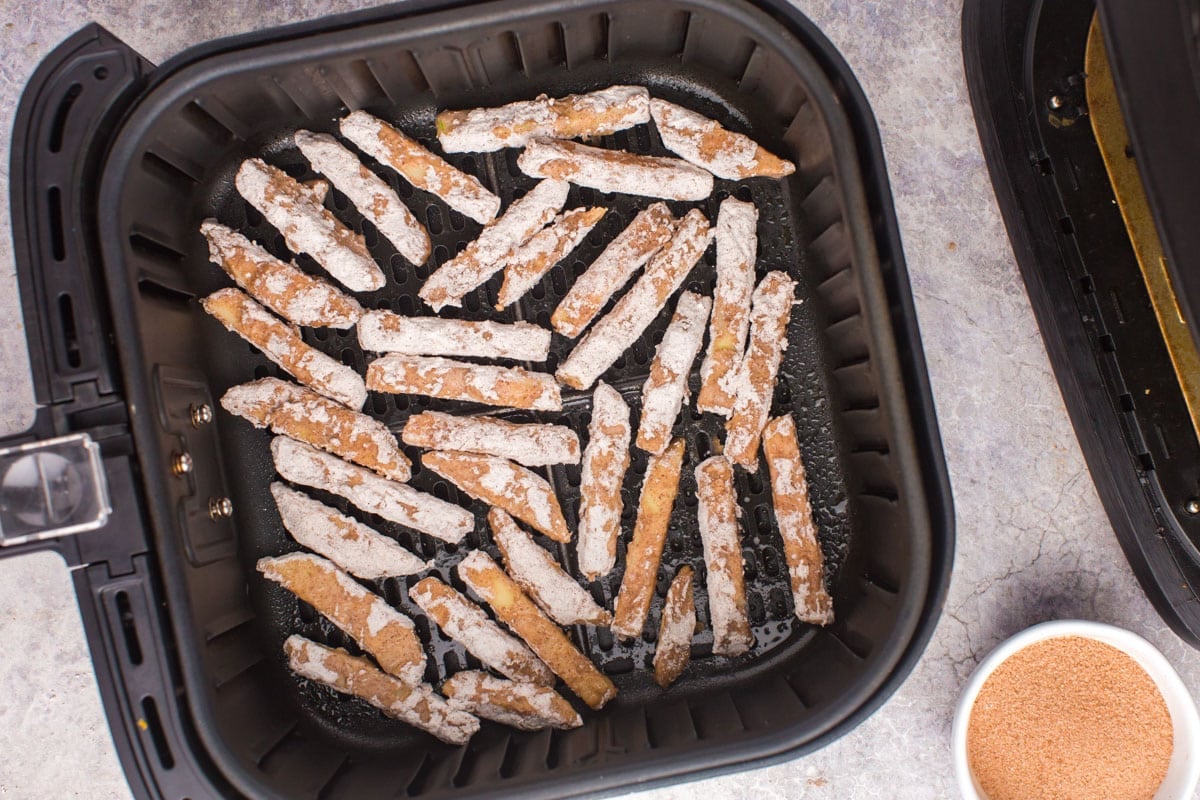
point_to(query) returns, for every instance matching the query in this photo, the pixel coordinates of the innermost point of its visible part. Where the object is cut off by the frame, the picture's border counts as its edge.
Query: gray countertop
(1033, 541)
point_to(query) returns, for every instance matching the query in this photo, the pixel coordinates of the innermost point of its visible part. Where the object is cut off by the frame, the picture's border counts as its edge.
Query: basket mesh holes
(472, 302)
(770, 562)
(433, 219)
(253, 217)
(379, 404)
(762, 521)
(578, 268)
(350, 358)
(261, 371)
(441, 491)
(405, 304)
(404, 189)
(340, 203)
(744, 193)
(279, 243)
(604, 639)
(457, 220)
(751, 564)
(543, 319)
(538, 292)
(689, 499)
(757, 615)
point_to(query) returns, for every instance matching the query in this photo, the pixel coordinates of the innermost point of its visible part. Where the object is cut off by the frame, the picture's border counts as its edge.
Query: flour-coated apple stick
(483, 576)
(291, 410)
(737, 251)
(793, 514)
(433, 376)
(307, 226)
(769, 316)
(530, 262)
(385, 332)
(281, 343)
(396, 502)
(417, 165)
(364, 616)
(483, 257)
(533, 444)
(615, 171)
(617, 331)
(501, 483)
(644, 553)
(604, 463)
(674, 647)
(536, 571)
(357, 548)
(706, 144)
(666, 386)
(597, 113)
(523, 706)
(470, 626)
(369, 193)
(416, 704)
(612, 269)
(294, 295)
(722, 557)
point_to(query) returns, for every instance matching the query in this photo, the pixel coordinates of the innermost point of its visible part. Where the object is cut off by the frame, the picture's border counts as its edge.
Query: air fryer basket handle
(70, 483)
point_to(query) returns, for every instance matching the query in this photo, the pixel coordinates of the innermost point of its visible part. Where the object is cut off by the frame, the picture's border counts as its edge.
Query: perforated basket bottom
(800, 390)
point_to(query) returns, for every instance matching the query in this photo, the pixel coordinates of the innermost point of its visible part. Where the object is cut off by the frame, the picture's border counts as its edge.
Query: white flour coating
(308, 227)
(529, 263)
(468, 624)
(717, 515)
(615, 171)
(416, 704)
(369, 193)
(613, 268)
(501, 483)
(353, 546)
(394, 501)
(705, 143)
(755, 383)
(531, 444)
(433, 376)
(388, 145)
(481, 259)
(604, 463)
(488, 129)
(385, 332)
(536, 571)
(737, 252)
(284, 347)
(664, 390)
(523, 706)
(620, 328)
(292, 410)
(294, 295)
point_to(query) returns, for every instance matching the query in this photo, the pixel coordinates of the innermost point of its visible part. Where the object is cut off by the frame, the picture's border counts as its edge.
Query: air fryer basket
(853, 377)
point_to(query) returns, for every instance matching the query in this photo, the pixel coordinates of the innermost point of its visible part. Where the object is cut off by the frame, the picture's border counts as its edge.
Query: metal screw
(181, 463)
(1192, 506)
(200, 414)
(1056, 102)
(219, 508)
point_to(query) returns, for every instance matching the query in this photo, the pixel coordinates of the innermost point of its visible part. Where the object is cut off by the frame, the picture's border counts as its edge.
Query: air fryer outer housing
(114, 165)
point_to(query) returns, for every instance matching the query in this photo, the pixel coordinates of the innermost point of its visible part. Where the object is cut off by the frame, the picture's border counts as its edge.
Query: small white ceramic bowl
(1183, 773)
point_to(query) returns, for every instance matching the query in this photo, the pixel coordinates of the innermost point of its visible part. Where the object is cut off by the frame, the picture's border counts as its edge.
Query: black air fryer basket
(115, 163)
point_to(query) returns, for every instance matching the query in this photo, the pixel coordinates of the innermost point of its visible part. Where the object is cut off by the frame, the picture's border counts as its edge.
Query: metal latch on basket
(55, 487)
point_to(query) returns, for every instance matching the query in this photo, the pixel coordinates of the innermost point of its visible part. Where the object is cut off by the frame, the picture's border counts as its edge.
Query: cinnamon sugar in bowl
(1076, 710)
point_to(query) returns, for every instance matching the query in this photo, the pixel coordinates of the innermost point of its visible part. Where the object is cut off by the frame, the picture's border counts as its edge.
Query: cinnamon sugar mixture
(1066, 719)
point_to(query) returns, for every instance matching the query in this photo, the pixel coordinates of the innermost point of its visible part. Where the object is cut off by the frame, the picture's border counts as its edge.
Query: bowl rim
(1186, 723)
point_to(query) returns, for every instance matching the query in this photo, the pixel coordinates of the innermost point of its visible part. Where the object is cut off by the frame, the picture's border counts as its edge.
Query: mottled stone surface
(1033, 542)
